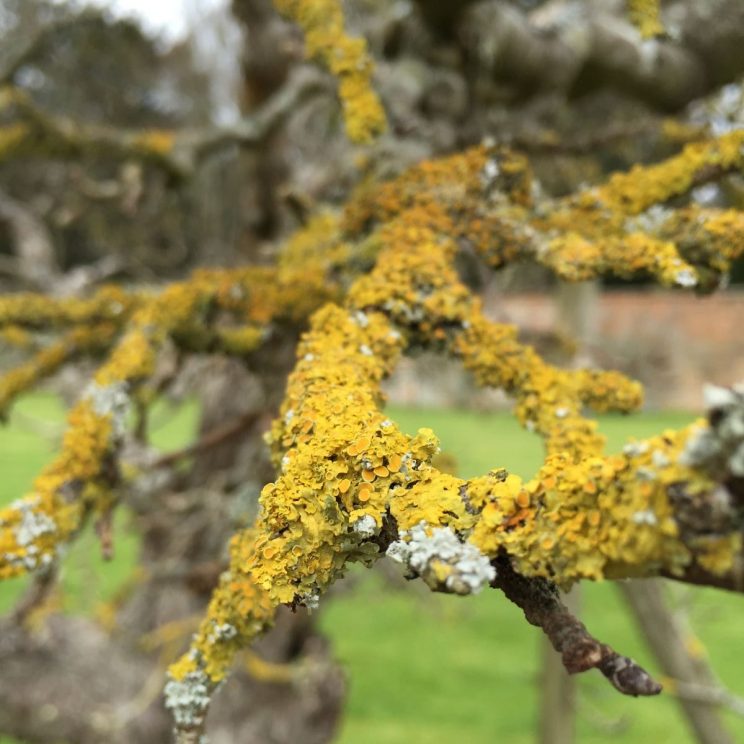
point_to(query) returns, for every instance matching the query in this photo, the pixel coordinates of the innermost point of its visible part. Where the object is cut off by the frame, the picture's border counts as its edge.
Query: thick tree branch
(573, 47)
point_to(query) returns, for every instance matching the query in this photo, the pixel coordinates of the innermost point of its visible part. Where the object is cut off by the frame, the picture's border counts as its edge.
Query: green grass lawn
(423, 668)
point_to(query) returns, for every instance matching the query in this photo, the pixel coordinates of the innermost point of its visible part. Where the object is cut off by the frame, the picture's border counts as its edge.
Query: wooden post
(666, 639)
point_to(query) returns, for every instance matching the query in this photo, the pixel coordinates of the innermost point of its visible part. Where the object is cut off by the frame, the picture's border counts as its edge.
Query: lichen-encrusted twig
(620, 227)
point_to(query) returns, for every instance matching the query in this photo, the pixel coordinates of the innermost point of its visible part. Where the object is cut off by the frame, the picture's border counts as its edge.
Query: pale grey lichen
(420, 548)
(490, 173)
(723, 112)
(311, 601)
(706, 195)
(365, 526)
(111, 401)
(719, 447)
(32, 525)
(715, 396)
(360, 319)
(188, 699)
(645, 516)
(659, 459)
(650, 221)
(223, 632)
(633, 449)
(685, 278)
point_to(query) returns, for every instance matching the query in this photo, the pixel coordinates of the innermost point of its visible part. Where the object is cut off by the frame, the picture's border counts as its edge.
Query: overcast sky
(167, 18)
(216, 40)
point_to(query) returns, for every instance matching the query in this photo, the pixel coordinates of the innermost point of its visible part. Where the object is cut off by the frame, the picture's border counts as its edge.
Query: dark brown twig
(105, 532)
(36, 594)
(580, 651)
(211, 439)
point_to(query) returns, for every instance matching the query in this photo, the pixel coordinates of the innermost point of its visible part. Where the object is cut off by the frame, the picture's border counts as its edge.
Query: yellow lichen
(323, 24)
(132, 328)
(76, 342)
(646, 16)
(349, 482)
(155, 141)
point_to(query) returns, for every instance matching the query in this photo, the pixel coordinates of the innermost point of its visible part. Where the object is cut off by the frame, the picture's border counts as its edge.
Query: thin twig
(36, 594)
(212, 438)
(580, 651)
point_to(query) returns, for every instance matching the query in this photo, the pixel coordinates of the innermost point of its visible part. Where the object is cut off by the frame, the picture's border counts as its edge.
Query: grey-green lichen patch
(442, 560)
(719, 448)
(112, 401)
(187, 699)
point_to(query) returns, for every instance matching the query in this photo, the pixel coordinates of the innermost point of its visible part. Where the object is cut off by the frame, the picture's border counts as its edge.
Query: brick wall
(673, 342)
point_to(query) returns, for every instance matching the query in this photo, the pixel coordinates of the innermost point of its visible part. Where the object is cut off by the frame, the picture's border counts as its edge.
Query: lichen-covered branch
(29, 131)
(621, 227)
(322, 22)
(216, 310)
(352, 485)
(78, 341)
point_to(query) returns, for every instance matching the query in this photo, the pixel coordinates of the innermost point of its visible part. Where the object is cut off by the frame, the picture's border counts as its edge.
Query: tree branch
(180, 153)
(571, 47)
(580, 651)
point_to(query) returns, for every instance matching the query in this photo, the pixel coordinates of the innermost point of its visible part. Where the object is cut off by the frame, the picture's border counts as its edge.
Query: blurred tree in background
(237, 205)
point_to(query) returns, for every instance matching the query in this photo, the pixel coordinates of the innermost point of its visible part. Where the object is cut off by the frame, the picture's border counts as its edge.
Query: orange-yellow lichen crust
(350, 481)
(322, 22)
(646, 16)
(80, 479)
(620, 226)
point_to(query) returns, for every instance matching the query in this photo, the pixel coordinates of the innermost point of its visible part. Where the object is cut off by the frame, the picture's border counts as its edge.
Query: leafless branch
(580, 651)
(212, 438)
(178, 152)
